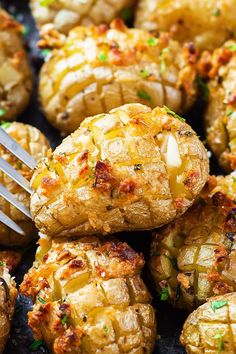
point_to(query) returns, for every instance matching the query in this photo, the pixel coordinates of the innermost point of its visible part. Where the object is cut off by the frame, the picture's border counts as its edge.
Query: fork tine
(10, 144)
(16, 176)
(12, 200)
(10, 223)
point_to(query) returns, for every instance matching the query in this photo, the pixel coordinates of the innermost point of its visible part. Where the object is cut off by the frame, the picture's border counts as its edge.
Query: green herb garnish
(215, 305)
(106, 329)
(103, 57)
(46, 2)
(36, 344)
(216, 12)
(232, 47)
(144, 73)
(144, 95)
(126, 14)
(203, 88)
(229, 112)
(25, 30)
(163, 62)
(2, 263)
(5, 125)
(172, 113)
(64, 320)
(221, 342)
(152, 41)
(41, 300)
(2, 112)
(164, 294)
(45, 52)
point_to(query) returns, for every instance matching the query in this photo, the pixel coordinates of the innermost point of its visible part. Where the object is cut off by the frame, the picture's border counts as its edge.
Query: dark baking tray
(169, 320)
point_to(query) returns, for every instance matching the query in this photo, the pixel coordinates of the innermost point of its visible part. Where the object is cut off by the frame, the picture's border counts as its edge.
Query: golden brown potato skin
(195, 256)
(8, 295)
(15, 71)
(65, 15)
(207, 23)
(209, 331)
(100, 68)
(220, 115)
(97, 285)
(33, 141)
(132, 169)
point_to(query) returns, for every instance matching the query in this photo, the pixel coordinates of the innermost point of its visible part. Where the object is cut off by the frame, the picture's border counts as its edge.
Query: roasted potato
(91, 294)
(221, 110)
(195, 257)
(207, 23)
(211, 328)
(66, 14)
(134, 168)
(33, 141)
(98, 69)
(8, 295)
(15, 71)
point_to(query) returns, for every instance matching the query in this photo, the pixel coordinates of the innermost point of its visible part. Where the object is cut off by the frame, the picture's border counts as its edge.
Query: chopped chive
(106, 329)
(163, 62)
(2, 112)
(232, 47)
(45, 52)
(152, 41)
(215, 305)
(36, 344)
(103, 57)
(5, 125)
(164, 294)
(172, 113)
(216, 12)
(144, 73)
(144, 95)
(41, 300)
(221, 342)
(64, 320)
(46, 2)
(229, 112)
(2, 263)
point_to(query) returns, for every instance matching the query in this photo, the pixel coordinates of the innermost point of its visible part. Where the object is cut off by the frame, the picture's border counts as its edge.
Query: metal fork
(11, 145)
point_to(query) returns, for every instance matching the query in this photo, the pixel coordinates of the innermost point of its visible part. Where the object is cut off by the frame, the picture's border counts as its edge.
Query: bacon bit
(76, 263)
(83, 160)
(45, 258)
(63, 255)
(221, 288)
(7, 22)
(183, 280)
(36, 317)
(103, 176)
(70, 341)
(178, 203)
(231, 218)
(123, 58)
(190, 53)
(213, 276)
(101, 29)
(192, 179)
(221, 56)
(221, 253)
(204, 64)
(118, 24)
(84, 157)
(221, 199)
(127, 186)
(49, 184)
(61, 158)
(186, 80)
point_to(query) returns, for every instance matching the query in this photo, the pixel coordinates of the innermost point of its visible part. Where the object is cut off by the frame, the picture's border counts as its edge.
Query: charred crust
(127, 186)
(103, 176)
(76, 264)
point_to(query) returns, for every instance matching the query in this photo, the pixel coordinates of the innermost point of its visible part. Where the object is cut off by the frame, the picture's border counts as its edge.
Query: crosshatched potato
(212, 327)
(132, 169)
(33, 141)
(66, 14)
(207, 23)
(195, 257)
(98, 69)
(221, 110)
(91, 293)
(8, 295)
(15, 71)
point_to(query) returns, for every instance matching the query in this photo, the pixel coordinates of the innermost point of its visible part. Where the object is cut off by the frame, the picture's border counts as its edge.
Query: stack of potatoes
(130, 166)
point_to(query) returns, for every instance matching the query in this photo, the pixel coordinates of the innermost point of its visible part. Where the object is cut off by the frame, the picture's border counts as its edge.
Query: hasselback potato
(195, 257)
(8, 295)
(89, 297)
(33, 141)
(212, 327)
(220, 115)
(134, 168)
(66, 14)
(100, 68)
(207, 23)
(15, 72)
